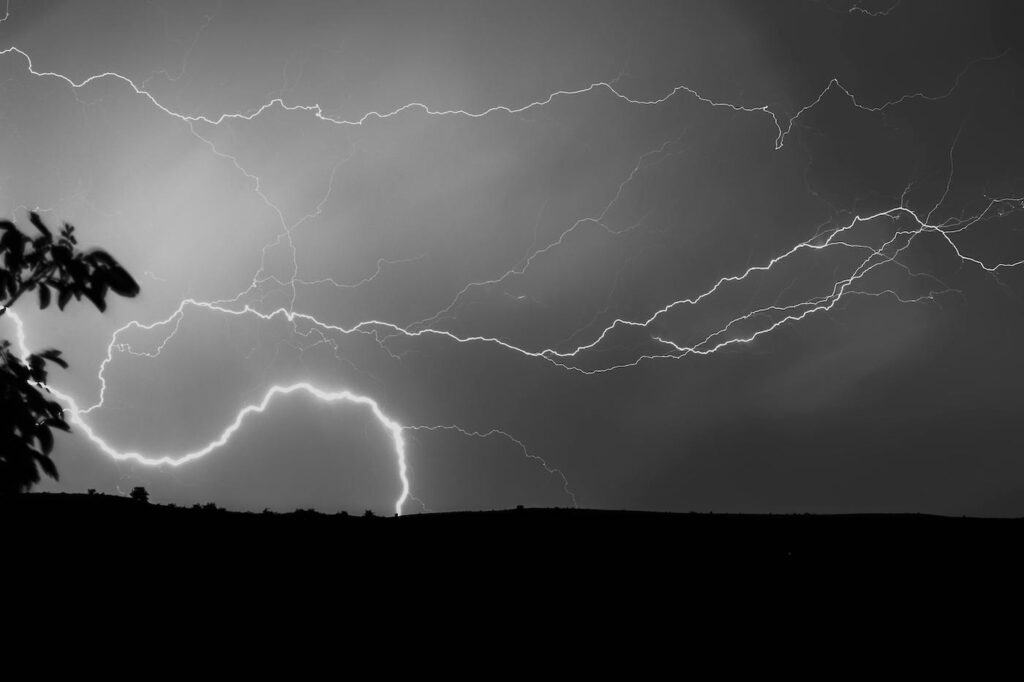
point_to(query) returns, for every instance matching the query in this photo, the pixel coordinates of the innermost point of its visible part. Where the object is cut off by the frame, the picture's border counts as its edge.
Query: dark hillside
(612, 535)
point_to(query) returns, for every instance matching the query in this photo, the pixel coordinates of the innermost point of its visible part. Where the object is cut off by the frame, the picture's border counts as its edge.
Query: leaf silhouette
(63, 298)
(28, 412)
(35, 220)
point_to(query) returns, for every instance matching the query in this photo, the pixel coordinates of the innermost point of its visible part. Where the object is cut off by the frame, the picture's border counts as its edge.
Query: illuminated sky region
(730, 256)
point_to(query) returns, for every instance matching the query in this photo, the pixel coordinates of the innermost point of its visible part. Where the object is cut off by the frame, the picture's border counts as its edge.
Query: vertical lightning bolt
(394, 429)
(773, 317)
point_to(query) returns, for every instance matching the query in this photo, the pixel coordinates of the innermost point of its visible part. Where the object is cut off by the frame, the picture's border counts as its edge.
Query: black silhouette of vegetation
(54, 267)
(139, 494)
(578, 537)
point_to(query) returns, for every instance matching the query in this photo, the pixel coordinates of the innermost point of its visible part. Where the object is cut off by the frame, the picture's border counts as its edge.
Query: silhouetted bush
(368, 514)
(53, 266)
(139, 494)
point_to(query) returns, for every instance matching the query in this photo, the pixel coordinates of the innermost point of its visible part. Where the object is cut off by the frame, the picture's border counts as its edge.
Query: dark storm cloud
(872, 405)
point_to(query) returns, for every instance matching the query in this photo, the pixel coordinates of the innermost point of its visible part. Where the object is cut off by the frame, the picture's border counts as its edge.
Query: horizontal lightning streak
(791, 313)
(782, 129)
(857, 9)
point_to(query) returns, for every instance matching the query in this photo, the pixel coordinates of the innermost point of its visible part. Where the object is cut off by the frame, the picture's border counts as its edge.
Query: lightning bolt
(382, 331)
(390, 425)
(857, 9)
(554, 471)
(394, 428)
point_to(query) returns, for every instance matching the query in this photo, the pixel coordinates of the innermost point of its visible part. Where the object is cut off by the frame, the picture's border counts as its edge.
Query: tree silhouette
(139, 494)
(54, 267)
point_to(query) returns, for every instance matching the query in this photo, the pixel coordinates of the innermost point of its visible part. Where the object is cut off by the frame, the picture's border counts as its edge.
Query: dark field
(89, 552)
(513, 535)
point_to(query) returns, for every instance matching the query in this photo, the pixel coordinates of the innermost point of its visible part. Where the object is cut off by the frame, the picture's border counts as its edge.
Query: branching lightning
(742, 329)
(857, 9)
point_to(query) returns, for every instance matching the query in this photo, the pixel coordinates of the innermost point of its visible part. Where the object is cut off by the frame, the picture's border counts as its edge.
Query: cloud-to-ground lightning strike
(836, 238)
(393, 428)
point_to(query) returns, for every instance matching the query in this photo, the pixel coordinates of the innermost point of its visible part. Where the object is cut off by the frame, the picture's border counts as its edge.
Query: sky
(437, 255)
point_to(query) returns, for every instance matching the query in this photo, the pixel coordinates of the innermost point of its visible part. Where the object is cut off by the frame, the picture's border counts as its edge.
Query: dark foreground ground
(528, 563)
(515, 535)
